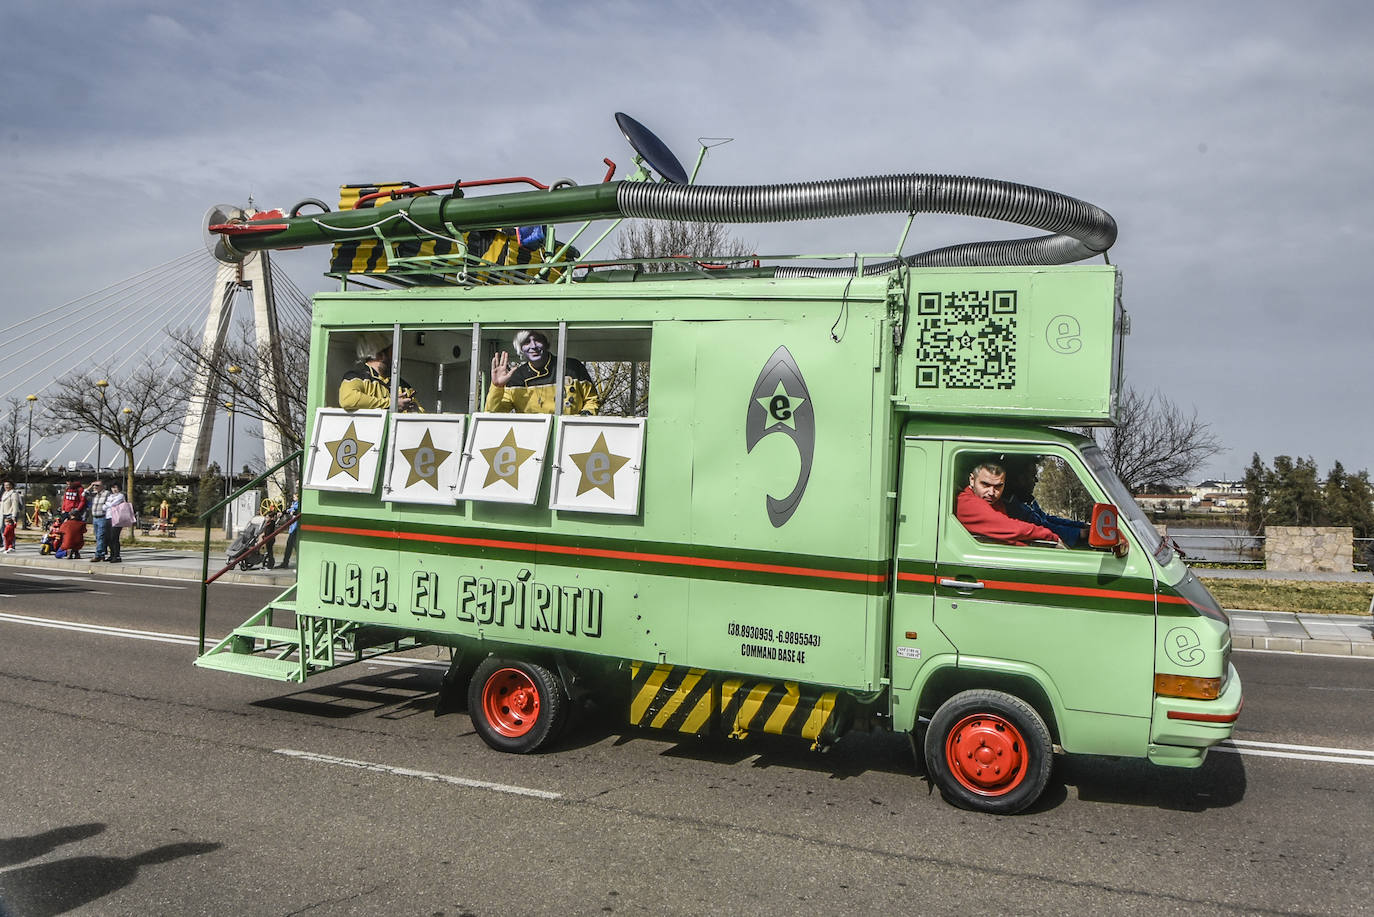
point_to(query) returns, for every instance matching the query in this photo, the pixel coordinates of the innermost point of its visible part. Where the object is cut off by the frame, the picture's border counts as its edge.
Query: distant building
(1208, 497)
(1164, 503)
(1217, 487)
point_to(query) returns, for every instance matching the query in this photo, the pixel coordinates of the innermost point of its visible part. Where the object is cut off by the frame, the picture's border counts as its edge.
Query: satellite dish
(652, 150)
(215, 243)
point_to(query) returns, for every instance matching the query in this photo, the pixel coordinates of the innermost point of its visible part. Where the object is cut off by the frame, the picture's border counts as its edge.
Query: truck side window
(606, 370)
(364, 383)
(435, 365)
(1022, 499)
(618, 361)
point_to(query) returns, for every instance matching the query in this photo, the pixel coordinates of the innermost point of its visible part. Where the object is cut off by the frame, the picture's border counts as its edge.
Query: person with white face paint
(528, 388)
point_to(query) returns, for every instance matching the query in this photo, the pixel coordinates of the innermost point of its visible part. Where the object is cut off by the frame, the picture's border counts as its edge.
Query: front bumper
(1181, 729)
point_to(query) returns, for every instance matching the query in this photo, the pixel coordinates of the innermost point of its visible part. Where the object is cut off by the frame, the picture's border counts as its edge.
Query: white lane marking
(1247, 743)
(1298, 752)
(87, 579)
(101, 629)
(399, 662)
(420, 775)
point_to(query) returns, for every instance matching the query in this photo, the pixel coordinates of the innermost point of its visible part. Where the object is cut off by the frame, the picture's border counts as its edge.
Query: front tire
(988, 751)
(516, 706)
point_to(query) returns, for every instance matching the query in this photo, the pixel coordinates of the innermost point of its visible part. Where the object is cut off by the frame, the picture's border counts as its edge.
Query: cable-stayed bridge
(113, 331)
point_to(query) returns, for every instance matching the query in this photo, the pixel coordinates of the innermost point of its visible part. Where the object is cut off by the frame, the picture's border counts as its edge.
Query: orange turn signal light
(1187, 686)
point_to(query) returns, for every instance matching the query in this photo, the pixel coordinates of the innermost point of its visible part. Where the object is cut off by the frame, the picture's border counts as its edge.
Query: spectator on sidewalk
(294, 513)
(96, 501)
(11, 511)
(271, 513)
(120, 514)
(73, 521)
(42, 512)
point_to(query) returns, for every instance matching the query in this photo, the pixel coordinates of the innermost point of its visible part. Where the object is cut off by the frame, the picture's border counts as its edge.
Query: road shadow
(1218, 784)
(392, 694)
(60, 886)
(19, 585)
(15, 850)
(853, 754)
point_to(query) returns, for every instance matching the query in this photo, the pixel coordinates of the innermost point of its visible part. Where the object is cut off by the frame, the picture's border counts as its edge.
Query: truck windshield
(1125, 503)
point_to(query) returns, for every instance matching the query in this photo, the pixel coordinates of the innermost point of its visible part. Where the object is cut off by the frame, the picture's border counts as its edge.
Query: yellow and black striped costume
(531, 390)
(363, 387)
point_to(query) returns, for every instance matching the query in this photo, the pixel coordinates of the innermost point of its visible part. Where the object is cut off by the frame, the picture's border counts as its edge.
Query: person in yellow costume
(368, 384)
(528, 388)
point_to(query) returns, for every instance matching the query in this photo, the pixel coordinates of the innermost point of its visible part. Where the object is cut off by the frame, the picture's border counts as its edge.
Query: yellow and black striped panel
(694, 701)
(368, 256)
(778, 708)
(497, 247)
(671, 697)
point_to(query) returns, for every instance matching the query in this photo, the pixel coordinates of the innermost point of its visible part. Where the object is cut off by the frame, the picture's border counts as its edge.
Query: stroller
(246, 538)
(52, 541)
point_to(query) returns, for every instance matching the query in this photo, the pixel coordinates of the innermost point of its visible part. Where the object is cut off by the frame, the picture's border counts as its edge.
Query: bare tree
(250, 364)
(1154, 441)
(130, 410)
(682, 245)
(623, 387)
(12, 441)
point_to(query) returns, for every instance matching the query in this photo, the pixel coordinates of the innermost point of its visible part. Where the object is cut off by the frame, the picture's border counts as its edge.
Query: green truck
(756, 528)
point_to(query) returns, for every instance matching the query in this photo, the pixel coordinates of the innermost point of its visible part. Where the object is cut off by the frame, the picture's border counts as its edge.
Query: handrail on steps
(205, 517)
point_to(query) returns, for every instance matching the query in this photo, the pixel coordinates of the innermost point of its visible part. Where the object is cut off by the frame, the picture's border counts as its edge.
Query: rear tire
(988, 751)
(515, 706)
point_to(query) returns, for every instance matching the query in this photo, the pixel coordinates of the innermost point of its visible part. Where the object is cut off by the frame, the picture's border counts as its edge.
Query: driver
(981, 510)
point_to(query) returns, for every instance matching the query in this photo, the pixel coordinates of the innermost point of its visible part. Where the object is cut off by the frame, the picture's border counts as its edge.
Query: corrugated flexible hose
(1078, 229)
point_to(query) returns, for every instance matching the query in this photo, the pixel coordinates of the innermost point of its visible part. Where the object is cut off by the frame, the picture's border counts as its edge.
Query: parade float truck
(754, 531)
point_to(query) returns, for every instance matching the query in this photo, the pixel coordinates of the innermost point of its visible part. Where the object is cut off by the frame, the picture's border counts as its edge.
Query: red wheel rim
(511, 702)
(986, 754)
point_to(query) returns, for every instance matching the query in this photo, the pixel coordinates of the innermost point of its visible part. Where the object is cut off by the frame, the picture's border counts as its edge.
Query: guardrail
(1244, 548)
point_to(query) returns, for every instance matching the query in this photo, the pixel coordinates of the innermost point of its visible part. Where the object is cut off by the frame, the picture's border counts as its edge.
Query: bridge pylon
(253, 273)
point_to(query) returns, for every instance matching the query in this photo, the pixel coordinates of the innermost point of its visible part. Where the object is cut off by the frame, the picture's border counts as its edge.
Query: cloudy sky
(1231, 141)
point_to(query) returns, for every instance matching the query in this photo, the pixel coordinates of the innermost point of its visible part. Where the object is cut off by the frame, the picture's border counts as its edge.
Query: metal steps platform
(258, 666)
(263, 649)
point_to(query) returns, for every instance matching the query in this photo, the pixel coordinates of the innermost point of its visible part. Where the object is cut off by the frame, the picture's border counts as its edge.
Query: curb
(1286, 632)
(151, 571)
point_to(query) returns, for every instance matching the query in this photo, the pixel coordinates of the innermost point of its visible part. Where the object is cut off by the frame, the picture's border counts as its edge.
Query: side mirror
(1105, 530)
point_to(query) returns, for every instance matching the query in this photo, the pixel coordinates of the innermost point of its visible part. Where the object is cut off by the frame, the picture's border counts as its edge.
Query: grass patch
(1292, 595)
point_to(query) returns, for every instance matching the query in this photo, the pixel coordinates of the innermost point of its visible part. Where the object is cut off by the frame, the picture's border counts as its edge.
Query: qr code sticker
(966, 339)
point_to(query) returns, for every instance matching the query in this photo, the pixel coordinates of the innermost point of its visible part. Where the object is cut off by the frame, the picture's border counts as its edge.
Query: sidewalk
(163, 560)
(1341, 635)
(1338, 635)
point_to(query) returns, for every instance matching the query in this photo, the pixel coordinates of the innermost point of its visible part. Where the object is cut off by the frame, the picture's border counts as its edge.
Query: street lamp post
(28, 449)
(229, 474)
(100, 418)
(128, 463)
(234, 371)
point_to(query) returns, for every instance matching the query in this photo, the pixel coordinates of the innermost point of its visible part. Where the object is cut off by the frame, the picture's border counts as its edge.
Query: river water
(1218, 545)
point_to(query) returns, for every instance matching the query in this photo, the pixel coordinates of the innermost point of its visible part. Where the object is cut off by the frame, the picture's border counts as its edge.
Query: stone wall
(1308, 548)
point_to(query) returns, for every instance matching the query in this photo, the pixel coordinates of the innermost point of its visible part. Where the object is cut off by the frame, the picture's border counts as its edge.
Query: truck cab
(1116, 649)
